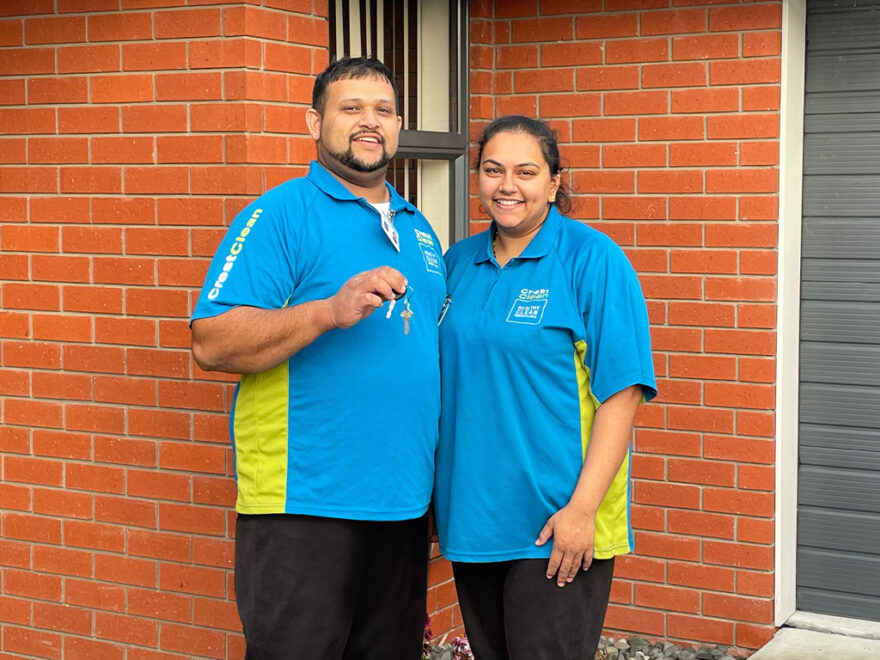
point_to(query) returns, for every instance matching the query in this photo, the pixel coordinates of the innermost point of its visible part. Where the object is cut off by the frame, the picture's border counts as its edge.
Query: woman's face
(515, 182)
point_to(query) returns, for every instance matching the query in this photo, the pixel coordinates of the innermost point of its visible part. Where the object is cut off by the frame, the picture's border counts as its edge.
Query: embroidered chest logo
(429, 252)
(529, 307)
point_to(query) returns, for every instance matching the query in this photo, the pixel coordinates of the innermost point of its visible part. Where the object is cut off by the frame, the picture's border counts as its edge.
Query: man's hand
(363, 294)
(572, 533)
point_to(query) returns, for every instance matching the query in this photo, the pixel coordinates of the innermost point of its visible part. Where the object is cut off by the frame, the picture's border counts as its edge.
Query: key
(391, 304)
(406, 314)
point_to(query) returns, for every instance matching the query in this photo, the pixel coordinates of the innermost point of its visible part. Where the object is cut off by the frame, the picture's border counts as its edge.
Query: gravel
(638, 648)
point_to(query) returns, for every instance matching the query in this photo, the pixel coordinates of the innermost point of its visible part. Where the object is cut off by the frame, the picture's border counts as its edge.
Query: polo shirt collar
(330, 185)
(538, 247)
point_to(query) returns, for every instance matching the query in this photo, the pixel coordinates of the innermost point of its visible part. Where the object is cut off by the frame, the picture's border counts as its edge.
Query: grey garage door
(838, 557)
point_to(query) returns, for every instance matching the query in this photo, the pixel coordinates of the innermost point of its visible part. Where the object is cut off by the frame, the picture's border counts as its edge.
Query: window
(424, 43)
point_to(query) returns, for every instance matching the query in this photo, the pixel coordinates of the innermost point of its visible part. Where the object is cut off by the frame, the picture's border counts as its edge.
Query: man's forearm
(250, 340)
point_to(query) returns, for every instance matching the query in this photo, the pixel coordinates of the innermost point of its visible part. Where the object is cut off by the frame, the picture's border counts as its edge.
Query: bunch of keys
(406, 314)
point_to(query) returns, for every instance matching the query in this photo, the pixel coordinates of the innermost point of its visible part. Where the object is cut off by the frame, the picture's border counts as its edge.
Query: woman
(545, 357)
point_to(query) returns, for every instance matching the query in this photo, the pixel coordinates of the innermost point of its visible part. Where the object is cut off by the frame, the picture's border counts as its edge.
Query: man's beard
(349, 160)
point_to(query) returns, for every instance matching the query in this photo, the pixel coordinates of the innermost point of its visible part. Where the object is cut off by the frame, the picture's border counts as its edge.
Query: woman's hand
(573, 531)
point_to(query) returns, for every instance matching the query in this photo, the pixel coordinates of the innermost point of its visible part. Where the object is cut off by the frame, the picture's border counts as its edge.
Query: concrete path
(797, 644)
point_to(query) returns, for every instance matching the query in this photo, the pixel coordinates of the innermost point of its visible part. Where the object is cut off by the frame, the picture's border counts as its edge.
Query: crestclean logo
(528, 308)
(237, 247)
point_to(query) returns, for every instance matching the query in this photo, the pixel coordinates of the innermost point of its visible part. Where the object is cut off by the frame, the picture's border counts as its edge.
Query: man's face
(359, 128)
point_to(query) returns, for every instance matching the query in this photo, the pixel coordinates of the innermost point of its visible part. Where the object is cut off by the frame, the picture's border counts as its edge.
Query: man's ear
(313, 122)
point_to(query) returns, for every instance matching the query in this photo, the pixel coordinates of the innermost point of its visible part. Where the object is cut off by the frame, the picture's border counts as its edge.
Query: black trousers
(311, 588)
(512, 611)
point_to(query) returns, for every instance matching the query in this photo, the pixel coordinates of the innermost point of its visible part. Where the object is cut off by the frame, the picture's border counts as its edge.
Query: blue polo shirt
(347, 427)
(528, 353)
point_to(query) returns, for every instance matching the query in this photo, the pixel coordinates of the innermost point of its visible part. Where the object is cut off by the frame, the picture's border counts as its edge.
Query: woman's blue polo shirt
(528, 354)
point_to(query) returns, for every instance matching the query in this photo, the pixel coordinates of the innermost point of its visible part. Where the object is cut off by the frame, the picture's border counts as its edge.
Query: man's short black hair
(349, 67)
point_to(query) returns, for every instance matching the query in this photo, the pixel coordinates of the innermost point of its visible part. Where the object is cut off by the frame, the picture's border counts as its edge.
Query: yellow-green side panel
(612, 519)
(260, 428)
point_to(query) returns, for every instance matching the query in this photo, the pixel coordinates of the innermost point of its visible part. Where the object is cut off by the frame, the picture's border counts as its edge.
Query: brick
(523, 105)
(102, 419)
(123, 270)
(187, 23)
(14, 324)
(234, 52)
(673, 22)
(32, 470)
(56, 30)
(635, 620)
(756, 316)
(752, 530)
(127, 629)
(759, 208)
(636, 50)
(103, 359)
(28, 61)
(755, 17)
(701, 472)
(635, 208)
(15, 383)
(700, 419)
(62, 444)
(58, 150)
(145, 302)
(646, 517)
(149, 484)
(670, 234)
(94, 595)
(674, 75)
(126, 511)
(741, 288)
(759, 153)
(700, 627)
(52, 385)
(667, 546)
(740, 395)
(570, 105)
(122, 150)
(756, 477)
(218, 614)
(60, 209)
(707, 153)
(738, 555)
(677, 496)
(721, 99)
(701, 576)
(171, 547)
(705, 47)
(190, 211)
(156, 179)
(57, 90)
(670, 181)
(174, 334)
(136, 391)
(671, 599)
(625, 5)
(85, 649)
(676, 339)
(32, 413)
(125, 451)
(62, 561)
(162, 363)
(11, 33)
(190, 86)
(640, 568)
(745, 72)
(516, 57)
(192, 640)
(605, 26)
(31, 354)
(542, 30)
(740, 608)
(209, 521)
(670, 128)
(749, 342)
(154, 119)
(704, 261)
(741, 235)
(30, 296)
(232, 179)
(89, 59)
(15, 611)
(192, 579)
(158, 424)
(26, 527)
(28, 179)
(94, 536)
(31, 643)
(91, 179)
(604, 130)
(634, 155)
(214, 490)
(190, 149)
(126, 26)
(608, 77)
(740, 502)
(101, 300)
(159, 605)
(752, 636)
(90, 119)
(702, 366)
(60, 269)
(740, 449)
(636, 103)
(604, 181)
(571, 54)
(13, 209)
(762, 97)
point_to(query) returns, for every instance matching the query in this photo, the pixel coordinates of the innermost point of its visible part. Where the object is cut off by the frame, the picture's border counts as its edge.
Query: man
(334, 421)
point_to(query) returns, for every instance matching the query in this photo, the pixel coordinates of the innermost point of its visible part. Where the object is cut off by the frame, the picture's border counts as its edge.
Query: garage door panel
(829, 29)
(841, 604)
(841, 270)
(847, 153)
(846, 439)
(832, 72)
(842, 291)
(842, 196)
(865, 102)
(844, 364)
(837, 488)
(839, 405)
(833, 321)
(838, 530)
(840, 238)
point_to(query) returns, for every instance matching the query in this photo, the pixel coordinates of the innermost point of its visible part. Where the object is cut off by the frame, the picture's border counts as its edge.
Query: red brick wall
(668, 114)
(131, 137)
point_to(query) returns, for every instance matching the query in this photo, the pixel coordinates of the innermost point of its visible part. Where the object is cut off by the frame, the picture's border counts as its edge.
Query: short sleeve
(616, 321)
(255, 263)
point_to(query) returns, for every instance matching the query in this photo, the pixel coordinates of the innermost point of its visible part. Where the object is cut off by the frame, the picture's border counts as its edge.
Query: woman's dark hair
(546, 138)
(349, 67)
